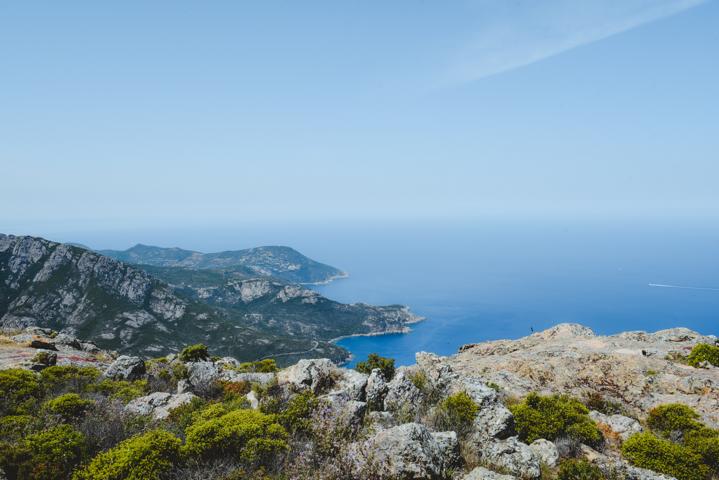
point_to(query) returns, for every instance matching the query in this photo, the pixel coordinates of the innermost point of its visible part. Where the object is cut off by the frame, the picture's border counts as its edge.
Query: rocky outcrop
(126, 368)
(509, 455)
(159, 405)
(633, 369)
(315, 374)
(623, 426)
(481, 473)
(545, 451)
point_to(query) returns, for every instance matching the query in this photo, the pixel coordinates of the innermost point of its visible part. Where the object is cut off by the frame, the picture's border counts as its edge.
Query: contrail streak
(661, 285)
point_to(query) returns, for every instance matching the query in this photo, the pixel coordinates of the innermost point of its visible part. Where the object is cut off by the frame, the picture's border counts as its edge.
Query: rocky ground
(389, 426)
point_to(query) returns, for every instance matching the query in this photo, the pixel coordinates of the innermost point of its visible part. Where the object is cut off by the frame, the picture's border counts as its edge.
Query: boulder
(481, 473)
(439, 374)
(251, 377)
(509, 455)
(202, 376)
(623, 426)
(253, 400)
(34, 341)
(449, 446)
(380, 420)
(376, 389)
(126, 368)
(315, 374)
(158, 404)
(352, 384)
(67, 341)
(618, 467)
(493, 420)
(346, 414)
(408, 451)
(401, 395)
(546, 451)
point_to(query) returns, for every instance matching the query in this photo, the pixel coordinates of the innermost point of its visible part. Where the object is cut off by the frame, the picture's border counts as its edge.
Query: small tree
(194, 353)
(386, 365)
(703, 352)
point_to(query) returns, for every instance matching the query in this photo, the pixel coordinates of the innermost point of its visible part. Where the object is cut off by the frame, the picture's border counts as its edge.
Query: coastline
(329, 280)
(404, 329)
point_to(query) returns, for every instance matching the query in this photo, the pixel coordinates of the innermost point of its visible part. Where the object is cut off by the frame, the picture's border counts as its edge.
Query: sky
(137, 113)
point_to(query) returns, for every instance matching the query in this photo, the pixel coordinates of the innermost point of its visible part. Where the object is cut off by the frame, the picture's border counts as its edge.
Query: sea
(481, 280)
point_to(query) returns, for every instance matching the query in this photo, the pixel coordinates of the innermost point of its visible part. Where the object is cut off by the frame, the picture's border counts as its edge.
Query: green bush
(244, 434)
(20, 391)
(574, 469)
(68, 406)
(375, 361)
(268, 365)
(457, 412)
(69, 377)
(296, 416)
(123, 390)
(646, 450)
(179, 371)
(672, 418)
(143, 457)
(45, 358)
(194, 353)
(705, 442)
(554, 416)
(47, 455)
(704, 352)
(13, 427)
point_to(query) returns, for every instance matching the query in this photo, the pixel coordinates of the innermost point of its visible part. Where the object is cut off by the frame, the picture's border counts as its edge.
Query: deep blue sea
(482, 280)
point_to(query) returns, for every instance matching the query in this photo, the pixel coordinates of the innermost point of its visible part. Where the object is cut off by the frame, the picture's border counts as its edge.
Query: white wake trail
(684, 287)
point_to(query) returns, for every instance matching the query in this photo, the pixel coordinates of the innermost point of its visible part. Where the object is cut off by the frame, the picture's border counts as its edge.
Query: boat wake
(684, 287)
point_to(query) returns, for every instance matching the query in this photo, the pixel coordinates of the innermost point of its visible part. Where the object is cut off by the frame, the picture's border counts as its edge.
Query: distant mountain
(125, 308)
(283, 263)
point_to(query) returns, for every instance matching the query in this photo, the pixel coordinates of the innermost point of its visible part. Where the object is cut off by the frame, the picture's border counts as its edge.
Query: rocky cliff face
(124, 308)
(638, 370)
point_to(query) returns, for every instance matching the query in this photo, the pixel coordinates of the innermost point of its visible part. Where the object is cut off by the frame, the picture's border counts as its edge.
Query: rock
(510, 455)
(438, 372)
(126, 368)
(623, 426)
(401, 395)
(482, 394)
(226, 362)
(253, 400)
(158, 404)
(346, 414)
(251, 377)
(47, 358)
(481, 473)
(66, 340)
(315, 374)
(493, 421)
(89, 347)
(381, 420)
(546, 451)
(202, 376)
(449, 446)
(183, 386)
(34, 341)
(376, 389)
(352, 383)
(408, 451)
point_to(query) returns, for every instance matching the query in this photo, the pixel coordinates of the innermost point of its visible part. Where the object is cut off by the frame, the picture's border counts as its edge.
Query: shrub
(703, 352)
(234, 390)
(179, 371)
(296, 416)
(123, 390)
(47, 455)
(245, 434)
(595, 401)
(553, 416)
(143, 457)
(68, 406)
(268, 365)
(45, 358)
(20, 391)
(456, 412)
(579, 470)
(184, 415)
(69, 377)
(705, 442)
(419, 380)
(645, 450)
(386, 365)
(107, 423)
(194, 353)
(672, 419)
(13, 427)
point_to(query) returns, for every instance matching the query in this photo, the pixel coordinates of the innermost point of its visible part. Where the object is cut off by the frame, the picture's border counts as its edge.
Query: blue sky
(163, 113)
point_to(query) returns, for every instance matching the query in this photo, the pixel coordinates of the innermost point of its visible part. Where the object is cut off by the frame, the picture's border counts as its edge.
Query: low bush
(69, 406)
(596, 401)
(386, 365)
(705, 442)
(704, 352)
(456, 412)
(673, 419)
(646, 450)
(550, 417)
(20, 389)
(143, 457)
(68, 378)
(13, 427)
(574, 469)
(194, 353)
(123, 390)
(247, 435)
(297, 414)
(268, 365)
(45, 358)
(47, 455)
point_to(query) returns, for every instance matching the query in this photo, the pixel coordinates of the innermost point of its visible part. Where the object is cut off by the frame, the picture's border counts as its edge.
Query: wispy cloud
(512, 34)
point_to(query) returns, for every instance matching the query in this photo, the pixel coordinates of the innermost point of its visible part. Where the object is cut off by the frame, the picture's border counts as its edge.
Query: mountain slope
(122, 307)
(283, 263)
